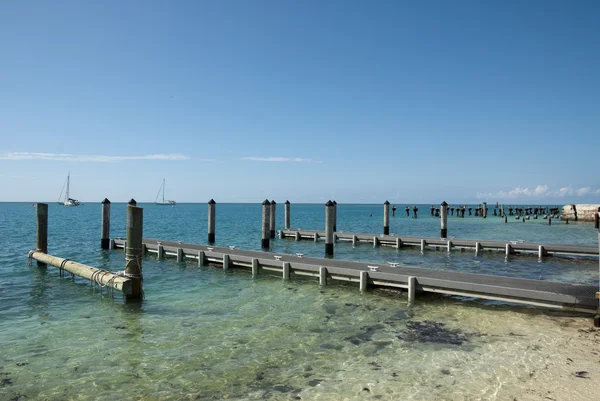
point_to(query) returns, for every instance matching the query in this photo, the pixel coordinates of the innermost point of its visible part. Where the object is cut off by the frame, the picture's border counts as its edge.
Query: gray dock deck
(546, 249)
(566, 296)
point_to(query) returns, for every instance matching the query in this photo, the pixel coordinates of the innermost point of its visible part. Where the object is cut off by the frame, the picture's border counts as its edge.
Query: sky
(358, 101)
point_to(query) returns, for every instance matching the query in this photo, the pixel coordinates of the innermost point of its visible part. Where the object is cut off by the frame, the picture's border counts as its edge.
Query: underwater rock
(429, 331)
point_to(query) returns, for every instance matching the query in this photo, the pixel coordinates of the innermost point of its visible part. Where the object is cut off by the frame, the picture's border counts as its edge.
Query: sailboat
(163, 202)
(67, 201)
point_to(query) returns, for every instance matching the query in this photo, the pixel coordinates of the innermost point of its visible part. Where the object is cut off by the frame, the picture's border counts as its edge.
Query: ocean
(205, 333)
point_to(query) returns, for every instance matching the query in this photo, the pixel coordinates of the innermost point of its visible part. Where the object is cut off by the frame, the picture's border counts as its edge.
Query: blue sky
(360, 101)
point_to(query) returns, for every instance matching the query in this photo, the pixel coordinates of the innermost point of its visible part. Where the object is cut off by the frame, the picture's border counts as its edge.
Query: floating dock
(509, 247)
(565, 296)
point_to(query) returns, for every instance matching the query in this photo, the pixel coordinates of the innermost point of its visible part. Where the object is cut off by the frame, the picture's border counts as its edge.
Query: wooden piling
(449, 246)
(422, 245)
(541, 251)
(334, 216)
(287, 214)
(226, 261)
(133, 250)
(201, 258)
(211, 220)
(477, 248)
(323, 276)
(105, 230)
(266, 222)
(297, 235)
(444, 220)
(386, 218)
(41, 235)
(412, 288)
(364, 280)
(272, 215)
(398, 243)
(179, 255)
(161, 252)
(508, 249)
(375, 242)
(316, 237)
(484, 210)
(329, 222)
(354, 240)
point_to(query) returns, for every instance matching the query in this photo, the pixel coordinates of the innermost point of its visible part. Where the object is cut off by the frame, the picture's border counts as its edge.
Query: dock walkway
(566, 296)
(398, 241)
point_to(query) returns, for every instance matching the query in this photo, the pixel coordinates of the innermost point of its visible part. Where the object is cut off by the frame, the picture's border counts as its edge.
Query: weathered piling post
(272, 218)
(334, 216)
(133, 250)
(444, 219)
(386, 218)
(329, 216)
(41, 235)
(266, 223)
(484, 210)
(502, 210)
(105, 230)
(412, 288)
(596, 222)
(211, 220)
(287, 214)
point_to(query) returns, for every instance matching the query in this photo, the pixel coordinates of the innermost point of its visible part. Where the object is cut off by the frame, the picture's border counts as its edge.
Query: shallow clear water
(203, 333)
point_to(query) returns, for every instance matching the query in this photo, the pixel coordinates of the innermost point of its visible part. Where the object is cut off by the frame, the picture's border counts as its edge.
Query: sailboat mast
(68, 179)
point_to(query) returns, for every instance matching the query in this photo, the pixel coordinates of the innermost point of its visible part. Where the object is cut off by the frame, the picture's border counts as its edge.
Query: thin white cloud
(537, 192)
(277, 159)
(89, 158)
(583, 191)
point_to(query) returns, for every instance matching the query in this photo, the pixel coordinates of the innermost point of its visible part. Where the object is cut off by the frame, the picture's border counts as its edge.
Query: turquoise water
(203, 333)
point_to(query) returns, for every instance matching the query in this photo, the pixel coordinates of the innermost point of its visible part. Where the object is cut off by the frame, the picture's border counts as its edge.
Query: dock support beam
(41, 235)
(477, 248)
(226, 261)
(179, 255)
(364, 280)
(334, 216)
(484, 210)
(508, 249)
(542, 251)
(398, 243)
(422, 245)
(386, 218)
(133, 251)
(161, 252)
(287, 214)
(412, 288)
(297, 235)
(444, 219)
(449, 246)
(316, 237)
(329, 222)
(272, 218)
(254, 267)
(211, 221)
(105, 230)
(286, 271)
(323, 276)
(354, 240)
(375, 242)
(200, 258)
(266, 222)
